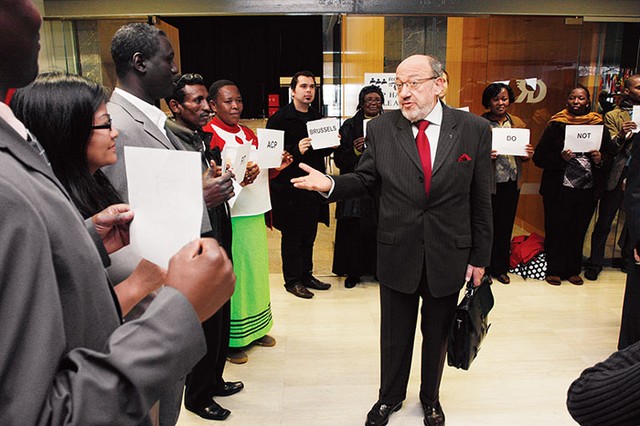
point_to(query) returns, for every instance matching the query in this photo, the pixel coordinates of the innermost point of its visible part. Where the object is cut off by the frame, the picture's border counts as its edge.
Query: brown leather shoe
(299, 290)
(265, 340)
(237, 356)
(503, 278)
(553, 279)
(575, 280)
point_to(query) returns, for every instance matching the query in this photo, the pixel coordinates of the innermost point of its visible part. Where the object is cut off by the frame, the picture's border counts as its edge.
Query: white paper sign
(270, 147)
(583, 138)
(323, 133)
(238, 165)
(364, 126)
(387, 83)
(509, 141)
(635, 117)
(165, 193)
(464, 108)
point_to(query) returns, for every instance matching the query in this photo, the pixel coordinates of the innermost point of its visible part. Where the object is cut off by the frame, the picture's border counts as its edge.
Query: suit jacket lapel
(407, 141)
(448, 138)
(139, 116)
(11, 141)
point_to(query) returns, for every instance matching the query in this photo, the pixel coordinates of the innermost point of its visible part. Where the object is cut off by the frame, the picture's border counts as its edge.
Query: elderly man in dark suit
(55, 293)
(429, 167)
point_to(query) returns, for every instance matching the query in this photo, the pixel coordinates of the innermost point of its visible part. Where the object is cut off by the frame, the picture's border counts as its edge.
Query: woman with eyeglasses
(506, 178)
(355, 247)
(68, 116)
(570, 185)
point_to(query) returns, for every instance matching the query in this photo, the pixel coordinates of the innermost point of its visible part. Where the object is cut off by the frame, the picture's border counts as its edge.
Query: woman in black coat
(355, 246)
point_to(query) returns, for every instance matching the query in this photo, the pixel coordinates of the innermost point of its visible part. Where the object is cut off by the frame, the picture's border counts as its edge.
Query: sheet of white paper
(635, 116)
(165, 193)
(238, 165)
(323, 133)
(270, 147)
(583, 138)
(464, 108)
(364, 126)
(532, 82)
(509, 141)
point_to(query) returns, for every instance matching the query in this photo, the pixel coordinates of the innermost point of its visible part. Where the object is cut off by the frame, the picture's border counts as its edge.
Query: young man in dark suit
(432, 183)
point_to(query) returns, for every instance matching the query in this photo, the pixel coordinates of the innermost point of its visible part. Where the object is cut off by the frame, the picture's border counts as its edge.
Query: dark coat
(289, 202)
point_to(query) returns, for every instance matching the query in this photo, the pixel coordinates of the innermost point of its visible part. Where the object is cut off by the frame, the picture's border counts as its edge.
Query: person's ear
(139, 62)
(175, 106)
(212, 105)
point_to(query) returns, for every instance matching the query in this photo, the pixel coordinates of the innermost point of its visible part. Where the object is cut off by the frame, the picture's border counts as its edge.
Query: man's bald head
(20, 42)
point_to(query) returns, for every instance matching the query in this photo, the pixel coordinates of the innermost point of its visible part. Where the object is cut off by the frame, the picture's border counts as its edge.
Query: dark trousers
(205, 379)
(608, 206)
(566, 219)
(296, 247)
(504, 204)
(630, 324)
(398, 319)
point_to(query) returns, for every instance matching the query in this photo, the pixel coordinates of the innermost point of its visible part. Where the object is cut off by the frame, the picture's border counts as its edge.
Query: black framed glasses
(106, 125)
(189, 78)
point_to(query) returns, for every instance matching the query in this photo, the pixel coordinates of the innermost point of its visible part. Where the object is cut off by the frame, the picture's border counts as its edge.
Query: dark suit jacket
(447, 230)
(65, 359)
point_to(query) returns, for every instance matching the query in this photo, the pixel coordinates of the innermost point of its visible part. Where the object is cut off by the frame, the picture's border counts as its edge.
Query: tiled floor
(324, 369)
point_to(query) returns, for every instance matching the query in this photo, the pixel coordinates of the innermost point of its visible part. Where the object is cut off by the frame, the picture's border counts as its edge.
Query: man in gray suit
(55, 294)
(143, 57)
(432, 183)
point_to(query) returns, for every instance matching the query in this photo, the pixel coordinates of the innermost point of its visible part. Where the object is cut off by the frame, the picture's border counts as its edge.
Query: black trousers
(608, 206)
(205, 379)
(296, 245)
(504, 204)
(566, 219)
(398, 320)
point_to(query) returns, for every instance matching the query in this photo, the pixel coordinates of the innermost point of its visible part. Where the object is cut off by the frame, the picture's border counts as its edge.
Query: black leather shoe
(213, 412)
(433, 416)
(350, 281)
(299, 290)
(230, 388)
(316, 284)
(379, 413)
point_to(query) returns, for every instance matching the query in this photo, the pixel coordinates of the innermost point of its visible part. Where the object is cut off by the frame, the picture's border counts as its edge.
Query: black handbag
(470, 325)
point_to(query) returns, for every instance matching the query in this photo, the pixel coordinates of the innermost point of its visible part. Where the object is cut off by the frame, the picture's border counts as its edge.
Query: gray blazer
(136, 129)
(65, 359)
(447, 230)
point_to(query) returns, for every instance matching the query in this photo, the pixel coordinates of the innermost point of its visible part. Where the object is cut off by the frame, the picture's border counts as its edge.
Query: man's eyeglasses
(411, 85)
(189, 78)
(106, 125)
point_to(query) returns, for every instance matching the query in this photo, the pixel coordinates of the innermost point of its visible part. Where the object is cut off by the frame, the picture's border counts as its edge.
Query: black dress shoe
(379, 413)
(350, 281)
(230, 388)
(433, 415)
(299, 290)
(316, 284)
(213, 412)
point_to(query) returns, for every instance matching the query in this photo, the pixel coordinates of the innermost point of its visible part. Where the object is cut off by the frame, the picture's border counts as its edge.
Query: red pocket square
(464, 157)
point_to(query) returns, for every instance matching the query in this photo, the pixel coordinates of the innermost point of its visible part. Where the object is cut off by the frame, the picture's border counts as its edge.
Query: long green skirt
(251, 316)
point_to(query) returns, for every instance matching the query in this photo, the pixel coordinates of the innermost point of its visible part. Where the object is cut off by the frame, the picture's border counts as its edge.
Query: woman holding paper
(506, 179)
(68, 116)
(251, 317)
(355, 247)
(571, 182)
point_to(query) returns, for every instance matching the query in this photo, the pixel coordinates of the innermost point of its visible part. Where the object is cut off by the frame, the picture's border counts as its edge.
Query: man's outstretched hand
(314, 181)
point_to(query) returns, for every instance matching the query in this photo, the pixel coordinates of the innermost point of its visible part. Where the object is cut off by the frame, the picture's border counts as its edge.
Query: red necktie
(424, 151)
